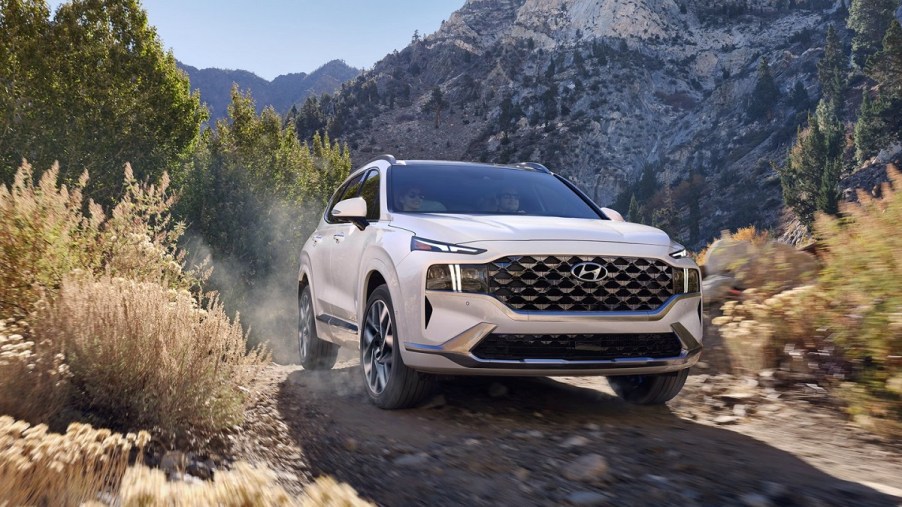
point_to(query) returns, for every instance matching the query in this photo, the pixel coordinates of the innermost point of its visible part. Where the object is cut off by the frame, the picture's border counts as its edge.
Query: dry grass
(762, 332)
(750, 234)
(33, 377)
(244, 485)
(143, 356)
(861, 281)
(42, 468)
(45, 234)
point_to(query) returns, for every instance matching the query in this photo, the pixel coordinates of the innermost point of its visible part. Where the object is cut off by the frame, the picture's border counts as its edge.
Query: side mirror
(353, 209)
(613, 215)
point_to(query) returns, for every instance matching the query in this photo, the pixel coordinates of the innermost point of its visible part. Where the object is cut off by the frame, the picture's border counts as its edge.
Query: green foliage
(860, 281)
(885, 66)
(811, 174)
(634, 214)
(832, 68)
(765, 95)
(45, 235)
(800, 98)
(870, 129)
(869, 19)
(93, 89)
(251, 195)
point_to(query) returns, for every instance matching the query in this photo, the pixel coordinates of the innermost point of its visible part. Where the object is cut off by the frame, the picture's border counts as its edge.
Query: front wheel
(389, 382)
(316, 353)
(649, 389)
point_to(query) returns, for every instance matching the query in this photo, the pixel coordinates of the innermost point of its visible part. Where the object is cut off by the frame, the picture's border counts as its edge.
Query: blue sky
(273, 37)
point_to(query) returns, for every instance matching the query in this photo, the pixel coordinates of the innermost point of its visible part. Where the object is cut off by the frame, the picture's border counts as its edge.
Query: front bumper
(460, 321)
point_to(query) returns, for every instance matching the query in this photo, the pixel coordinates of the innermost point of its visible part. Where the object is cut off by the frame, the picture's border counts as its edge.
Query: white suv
(432, 267)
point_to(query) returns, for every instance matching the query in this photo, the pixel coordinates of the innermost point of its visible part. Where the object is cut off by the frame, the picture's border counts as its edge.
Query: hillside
(602, 90)
(281, 93)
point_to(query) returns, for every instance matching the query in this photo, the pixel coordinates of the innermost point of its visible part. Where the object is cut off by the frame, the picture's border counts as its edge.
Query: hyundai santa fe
(436, 268)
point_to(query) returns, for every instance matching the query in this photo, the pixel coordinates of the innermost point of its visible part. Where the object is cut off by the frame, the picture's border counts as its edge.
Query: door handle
(317, 239)
(338, 237)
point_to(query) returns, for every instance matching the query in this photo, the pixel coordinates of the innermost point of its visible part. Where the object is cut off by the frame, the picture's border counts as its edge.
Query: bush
(143, 356)
(41, 468)
(861, 281)
(45, 234)
(33, 378)
(241, 486)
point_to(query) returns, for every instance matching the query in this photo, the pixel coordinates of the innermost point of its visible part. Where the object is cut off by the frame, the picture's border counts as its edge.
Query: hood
(462, 229)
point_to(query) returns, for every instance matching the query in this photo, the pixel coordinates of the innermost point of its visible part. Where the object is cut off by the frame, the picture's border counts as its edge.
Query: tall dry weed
(244, 485)
(47, 230)
(144, 356)
(33, 377)
(861, 279)
(42, 468)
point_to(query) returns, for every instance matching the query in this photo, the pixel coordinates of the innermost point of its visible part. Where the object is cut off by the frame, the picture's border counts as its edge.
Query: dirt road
(521, 441)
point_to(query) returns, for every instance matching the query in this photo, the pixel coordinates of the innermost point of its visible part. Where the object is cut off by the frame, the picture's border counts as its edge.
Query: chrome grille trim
(545, 283)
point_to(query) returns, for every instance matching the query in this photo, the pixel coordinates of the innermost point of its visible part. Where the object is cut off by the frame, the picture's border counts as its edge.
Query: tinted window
(346, 191)
(474, 189)
(370, 193)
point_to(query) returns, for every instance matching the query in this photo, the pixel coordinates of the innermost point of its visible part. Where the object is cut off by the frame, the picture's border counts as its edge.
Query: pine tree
(870, 130)
(869, 19)
(765, 95)
(811, 174)
(885, 66)
(634, 214)
(436, 104)
(832, 68)
(800, 98)
(831, 128)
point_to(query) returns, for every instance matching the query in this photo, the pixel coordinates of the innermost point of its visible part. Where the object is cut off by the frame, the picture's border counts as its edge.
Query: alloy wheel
(378, 341)
(305, 326)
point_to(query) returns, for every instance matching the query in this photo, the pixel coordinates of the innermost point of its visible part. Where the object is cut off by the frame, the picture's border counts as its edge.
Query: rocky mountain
(625, 97)
(281, 93)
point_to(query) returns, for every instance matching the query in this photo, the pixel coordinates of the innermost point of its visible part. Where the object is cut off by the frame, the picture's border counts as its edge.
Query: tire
(389, 383)
(315, 353)
(649, 389)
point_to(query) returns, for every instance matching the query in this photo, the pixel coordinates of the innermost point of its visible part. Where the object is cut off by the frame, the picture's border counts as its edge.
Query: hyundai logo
(589, 271)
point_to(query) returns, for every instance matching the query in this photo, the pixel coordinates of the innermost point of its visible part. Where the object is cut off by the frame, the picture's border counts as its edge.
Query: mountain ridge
(283, 92)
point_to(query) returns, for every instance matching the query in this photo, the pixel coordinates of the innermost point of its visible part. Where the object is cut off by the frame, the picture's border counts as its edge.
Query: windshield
(482, 190)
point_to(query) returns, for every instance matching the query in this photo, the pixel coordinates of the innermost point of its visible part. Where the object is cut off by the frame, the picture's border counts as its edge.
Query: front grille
(545, 283)
(585, 347)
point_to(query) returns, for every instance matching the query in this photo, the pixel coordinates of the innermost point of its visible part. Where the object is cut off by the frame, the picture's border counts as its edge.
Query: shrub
(45, 234)
(144, 356)
(750, 234)
(42, 468)
(861, 281)
(241, 486)
(765, 332)
(33, 378)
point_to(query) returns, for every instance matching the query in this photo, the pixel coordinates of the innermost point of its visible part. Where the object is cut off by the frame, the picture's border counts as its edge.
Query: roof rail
(390, 158)
(535, 166)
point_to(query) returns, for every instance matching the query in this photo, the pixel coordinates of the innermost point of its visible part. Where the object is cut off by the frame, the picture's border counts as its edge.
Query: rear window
(482, 190)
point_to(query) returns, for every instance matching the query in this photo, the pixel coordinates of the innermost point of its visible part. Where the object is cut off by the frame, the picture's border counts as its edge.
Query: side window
(347, 191)
(370, 193)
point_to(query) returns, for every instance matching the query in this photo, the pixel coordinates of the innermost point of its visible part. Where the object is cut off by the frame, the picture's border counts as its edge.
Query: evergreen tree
(765, 95)
(811, 176)
(436, 104)
(832, 69)
(831, 129)
(634, 213)
(310, 119)
(869, 19)
(870, 130)
(885, 66)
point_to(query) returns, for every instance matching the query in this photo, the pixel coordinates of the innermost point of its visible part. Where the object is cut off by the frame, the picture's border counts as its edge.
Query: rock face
(598, 90)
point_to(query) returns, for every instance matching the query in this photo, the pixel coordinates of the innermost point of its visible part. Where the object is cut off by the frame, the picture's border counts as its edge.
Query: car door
(326, 237)
(349, 250)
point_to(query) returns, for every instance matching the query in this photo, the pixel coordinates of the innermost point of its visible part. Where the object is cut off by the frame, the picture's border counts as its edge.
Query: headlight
(471, 278)
(686, 280)
(428, 245)
(677, 251)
